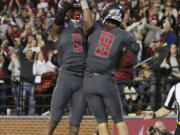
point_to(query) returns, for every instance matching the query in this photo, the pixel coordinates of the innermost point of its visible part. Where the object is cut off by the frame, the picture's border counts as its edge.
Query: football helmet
(75, 13)
(113, 11)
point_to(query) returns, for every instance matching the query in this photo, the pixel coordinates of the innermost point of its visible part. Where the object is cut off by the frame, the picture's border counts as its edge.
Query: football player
(72, 47)
(106, 44)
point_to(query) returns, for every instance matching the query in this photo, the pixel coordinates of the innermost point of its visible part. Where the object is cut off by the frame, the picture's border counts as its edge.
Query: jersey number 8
(77, 43)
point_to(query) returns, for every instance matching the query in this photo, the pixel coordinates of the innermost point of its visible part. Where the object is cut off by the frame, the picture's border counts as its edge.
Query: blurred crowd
(28, 56)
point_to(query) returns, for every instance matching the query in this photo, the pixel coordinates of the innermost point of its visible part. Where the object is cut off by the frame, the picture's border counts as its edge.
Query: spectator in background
(171, 63)
(124, 76)
(153, 13)
(15, 45)
(4, 76)
(44, 72)
(168, 34)
(27, 79)
(152, 30)
(171, 15)
(41, 66)
(4, 24)
(3, 86)
(14, 67)
(15, 10)
(15, 33)
(142, 85)
(162, 128)
(153, 131)
(159, 51)
(35, 45)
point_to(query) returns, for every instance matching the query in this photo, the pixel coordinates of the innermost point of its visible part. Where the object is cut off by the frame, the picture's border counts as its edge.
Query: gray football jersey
(72, 48)
(106, 45)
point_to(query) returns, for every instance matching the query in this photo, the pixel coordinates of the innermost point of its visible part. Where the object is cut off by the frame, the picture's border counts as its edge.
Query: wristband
(84, 4)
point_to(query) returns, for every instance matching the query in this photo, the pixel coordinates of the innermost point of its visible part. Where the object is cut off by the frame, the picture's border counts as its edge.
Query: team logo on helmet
(112, 11)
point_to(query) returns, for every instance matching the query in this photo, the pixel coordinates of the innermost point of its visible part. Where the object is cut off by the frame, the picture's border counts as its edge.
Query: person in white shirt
(172, 63)
(41, 66)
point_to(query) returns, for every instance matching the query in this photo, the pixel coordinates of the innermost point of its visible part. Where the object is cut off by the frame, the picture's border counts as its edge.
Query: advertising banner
(139, 126)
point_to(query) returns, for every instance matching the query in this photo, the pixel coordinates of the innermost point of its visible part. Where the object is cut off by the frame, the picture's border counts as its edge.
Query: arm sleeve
(151, 27)
(132, 45)
(63, 7)
(133, 27)
(170, 100)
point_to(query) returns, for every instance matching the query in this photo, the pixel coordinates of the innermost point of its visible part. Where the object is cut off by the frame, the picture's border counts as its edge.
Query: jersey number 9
(104, 44)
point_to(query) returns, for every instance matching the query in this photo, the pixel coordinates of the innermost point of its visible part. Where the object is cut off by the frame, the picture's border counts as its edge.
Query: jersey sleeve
(132, 45)
(170, 100)
(63, 8)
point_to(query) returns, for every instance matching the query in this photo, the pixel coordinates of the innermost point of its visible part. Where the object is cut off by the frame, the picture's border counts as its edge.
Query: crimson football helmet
(113, 11)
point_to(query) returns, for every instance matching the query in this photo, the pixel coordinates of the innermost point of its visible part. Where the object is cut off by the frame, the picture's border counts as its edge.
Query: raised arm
(19, 7)
(87, 17)
(63, 7)
(132, 45)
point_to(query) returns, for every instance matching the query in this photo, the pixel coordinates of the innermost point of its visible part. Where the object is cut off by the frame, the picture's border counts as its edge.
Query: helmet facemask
(75, 14)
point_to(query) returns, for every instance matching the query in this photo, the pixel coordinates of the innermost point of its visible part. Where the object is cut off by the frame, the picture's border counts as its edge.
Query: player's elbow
(134, 48)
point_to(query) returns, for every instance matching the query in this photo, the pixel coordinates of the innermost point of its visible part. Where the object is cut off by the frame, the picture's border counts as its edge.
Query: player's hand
(61, 2)
(148, 114)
